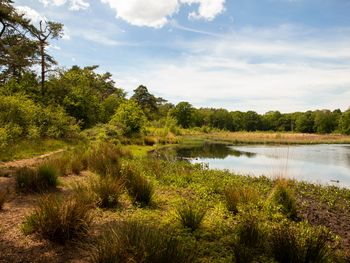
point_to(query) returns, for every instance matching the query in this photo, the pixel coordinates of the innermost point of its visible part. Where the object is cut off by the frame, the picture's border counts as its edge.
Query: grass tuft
(107, 190)
(190, 215)
(235, 195)
(283, 197)
(59, 220)
(42, 179)
(133, 241)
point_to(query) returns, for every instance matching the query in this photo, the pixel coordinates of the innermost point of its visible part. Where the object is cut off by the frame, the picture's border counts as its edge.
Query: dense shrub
(191, 215)
(60, 220)
(133, 241)
(41, 179)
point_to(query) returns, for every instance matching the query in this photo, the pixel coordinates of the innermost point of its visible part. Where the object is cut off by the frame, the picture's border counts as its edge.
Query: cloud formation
(30, 13)
(155, 13)
(74, 5)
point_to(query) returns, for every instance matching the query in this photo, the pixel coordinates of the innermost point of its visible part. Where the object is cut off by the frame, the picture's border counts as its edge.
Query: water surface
(323, 163)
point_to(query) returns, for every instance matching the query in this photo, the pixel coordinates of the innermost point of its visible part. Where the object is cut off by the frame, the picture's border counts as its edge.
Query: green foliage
(42, 179)
(133, 241)
(237, 194)
(146, 101)
(183, 114)
(249, 230)
(283, 197)
(59, 220)
(191, 215)
(130, 117)
(344, 123)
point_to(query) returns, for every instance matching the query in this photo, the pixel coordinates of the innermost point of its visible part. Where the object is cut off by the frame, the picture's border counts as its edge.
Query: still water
(324, 163)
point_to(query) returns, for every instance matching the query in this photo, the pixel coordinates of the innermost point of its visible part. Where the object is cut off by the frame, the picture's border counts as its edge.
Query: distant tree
(251, 121)
(221, 119)
(183, 114)
(305, 122)
(344, 122)
(147, 101)
(238, 120)
(130, 117)
(325, 121)
(271, 120)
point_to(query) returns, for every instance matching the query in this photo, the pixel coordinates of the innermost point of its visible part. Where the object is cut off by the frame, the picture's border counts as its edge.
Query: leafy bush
(235, 195)
(190, 215)
(36, 180)
(59, 220)
(107, 190)
(130, 117)
(133, 241)
(282, 196)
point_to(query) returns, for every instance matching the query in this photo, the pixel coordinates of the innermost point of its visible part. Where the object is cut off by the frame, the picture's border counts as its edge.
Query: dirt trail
(27, 162)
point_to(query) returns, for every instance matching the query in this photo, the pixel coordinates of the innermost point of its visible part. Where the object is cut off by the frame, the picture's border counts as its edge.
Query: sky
(261, 55)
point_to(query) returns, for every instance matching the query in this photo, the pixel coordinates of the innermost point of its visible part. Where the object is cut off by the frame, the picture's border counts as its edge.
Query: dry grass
(273, 137)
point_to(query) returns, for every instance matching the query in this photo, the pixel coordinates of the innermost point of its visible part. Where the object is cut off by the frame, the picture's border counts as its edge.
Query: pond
(323, 163)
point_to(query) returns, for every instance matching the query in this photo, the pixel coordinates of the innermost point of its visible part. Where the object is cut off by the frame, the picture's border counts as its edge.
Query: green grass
(107, 190)
(191, 215)
(31, 148)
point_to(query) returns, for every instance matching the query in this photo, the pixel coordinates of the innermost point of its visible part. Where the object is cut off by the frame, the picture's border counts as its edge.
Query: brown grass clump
(237, 194)
(133, 241)
(59, 220)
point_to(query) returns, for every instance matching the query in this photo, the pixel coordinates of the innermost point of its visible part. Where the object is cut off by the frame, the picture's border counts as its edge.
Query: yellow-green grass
(272, 137)
(31, 148)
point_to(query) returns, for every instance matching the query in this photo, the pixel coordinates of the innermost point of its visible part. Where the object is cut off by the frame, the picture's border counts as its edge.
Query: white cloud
(155, 13)
(30, 13)
(151, 13)
(208, 9)
(74, 5)
(251, 71)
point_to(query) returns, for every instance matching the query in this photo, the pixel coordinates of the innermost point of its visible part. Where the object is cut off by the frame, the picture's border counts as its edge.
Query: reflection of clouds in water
(297, 162)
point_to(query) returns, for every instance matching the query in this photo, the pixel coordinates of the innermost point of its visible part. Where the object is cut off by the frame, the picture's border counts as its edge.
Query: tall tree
(146, 100)
(183, 114)
(45, 31)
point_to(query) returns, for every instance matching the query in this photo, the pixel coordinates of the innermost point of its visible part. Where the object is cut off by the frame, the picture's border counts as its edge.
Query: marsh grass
(300, 243)
(104, 159)
(59, 220)
(107, 190)
(140, 189)
(239, 194)
(134, 241)
(191, 215)
(283, 197)
(41, 179)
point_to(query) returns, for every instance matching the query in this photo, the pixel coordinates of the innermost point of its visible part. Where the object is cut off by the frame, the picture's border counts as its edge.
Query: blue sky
(287, 55)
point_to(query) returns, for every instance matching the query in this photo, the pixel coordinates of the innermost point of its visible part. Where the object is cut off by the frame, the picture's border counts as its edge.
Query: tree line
(39, 100)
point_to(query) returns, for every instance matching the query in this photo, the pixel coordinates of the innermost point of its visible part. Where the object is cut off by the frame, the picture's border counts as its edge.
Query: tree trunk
(42, 54)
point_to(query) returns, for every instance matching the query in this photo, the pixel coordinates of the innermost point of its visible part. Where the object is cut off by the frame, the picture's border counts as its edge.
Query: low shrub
(44, 178)
(133, 241)
(191, 215)
(59, 220)
(283, 197)
(236, 194)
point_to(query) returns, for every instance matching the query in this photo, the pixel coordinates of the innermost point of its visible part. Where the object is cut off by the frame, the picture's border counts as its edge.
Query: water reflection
(316, 163)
